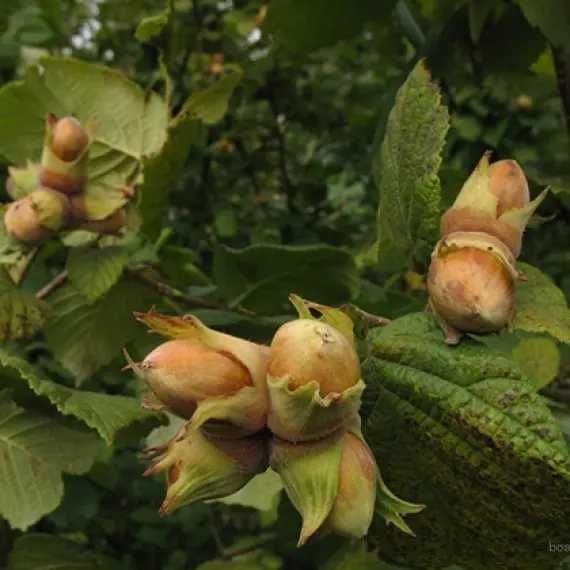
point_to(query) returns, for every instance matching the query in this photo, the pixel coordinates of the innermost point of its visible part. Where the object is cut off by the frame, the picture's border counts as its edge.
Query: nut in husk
(471, 282)
(494, 200)
(217, 380)
(200, 467)
(65, 155)
(35, 217)
(313, 377)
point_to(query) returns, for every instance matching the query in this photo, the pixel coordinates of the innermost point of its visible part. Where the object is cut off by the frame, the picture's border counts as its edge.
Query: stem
(170, 292)
(369, 318)
(54, 284)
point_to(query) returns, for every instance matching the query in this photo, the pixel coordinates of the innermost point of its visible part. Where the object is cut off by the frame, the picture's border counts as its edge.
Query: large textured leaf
(129, 124)
(305, 25)
(85, 336)
(93, 271)
(261, 277)
(21, 314)
(104, 413)
(541, 306)
(50, 552)
(461, 430)
(552, 17)
(35, 450)
(406, 167)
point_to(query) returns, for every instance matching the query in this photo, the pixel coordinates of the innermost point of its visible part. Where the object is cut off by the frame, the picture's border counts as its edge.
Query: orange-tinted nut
(308, 350)
(471, 289)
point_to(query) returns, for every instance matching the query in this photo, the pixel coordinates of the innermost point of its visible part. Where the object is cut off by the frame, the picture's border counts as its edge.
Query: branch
(368, 318)
(153, 281)
(54, 284)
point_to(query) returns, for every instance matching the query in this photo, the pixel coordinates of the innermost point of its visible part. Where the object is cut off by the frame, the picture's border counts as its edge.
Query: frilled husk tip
(480, 207)
(302, 414)
(200, 467)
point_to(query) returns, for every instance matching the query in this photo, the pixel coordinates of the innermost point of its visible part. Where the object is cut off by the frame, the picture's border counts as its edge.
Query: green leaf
(552, 17)
(509, 44)
(21, 314)
(93, 271)
(129, 124)
(541, 306)
(36, 449)
(461, 430)
(162, 171)
(479, 12)
(261, 277)
(84, 337)
(211, 104)
(539, 359)
(261, 493)
(151, 27)
(305, 25)
(104, 413)
(36, 551)
(406, 168)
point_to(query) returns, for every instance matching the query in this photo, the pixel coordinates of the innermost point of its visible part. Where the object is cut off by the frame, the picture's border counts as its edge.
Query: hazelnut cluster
(55, 190)
(293, 406)
(472, 273)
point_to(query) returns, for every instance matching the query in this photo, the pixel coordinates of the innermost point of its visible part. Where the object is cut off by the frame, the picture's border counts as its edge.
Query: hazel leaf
(105, 413)
(21, 314)
(35, 551)
(406, 170)
(93, 271)
(36, 450)
(540, 305)
(462, 431)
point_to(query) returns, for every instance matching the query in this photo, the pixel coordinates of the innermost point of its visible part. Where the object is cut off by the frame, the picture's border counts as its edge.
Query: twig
(170, 292)
(369, 318)
(54, 284)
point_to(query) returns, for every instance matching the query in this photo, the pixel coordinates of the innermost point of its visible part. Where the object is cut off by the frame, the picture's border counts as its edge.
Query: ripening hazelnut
(32, 219)
(22, 223)
(509, 184)
(199, 467)
(471, 289)
(182, 373)
(69, 139)
(306, 350)
(353, 508)
(471, 220)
